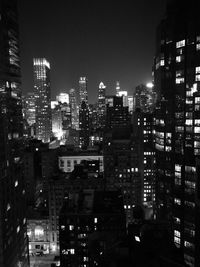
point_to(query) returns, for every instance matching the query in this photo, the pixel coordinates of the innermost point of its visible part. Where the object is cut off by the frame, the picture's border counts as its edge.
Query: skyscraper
(116, 113)
(177, 131)
(101, 105)
(13, 238)
(83, 94)
(145, 97)
(84, 125)
(117, 88)
(74, 108)
(30, 108)
(124, 95)
(43, 99)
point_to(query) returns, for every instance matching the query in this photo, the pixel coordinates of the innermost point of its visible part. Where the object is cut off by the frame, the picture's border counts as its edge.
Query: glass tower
(43, 99)
(177, 127)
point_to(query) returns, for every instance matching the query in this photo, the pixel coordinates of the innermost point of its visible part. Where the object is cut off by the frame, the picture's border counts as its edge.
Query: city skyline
(98, 41)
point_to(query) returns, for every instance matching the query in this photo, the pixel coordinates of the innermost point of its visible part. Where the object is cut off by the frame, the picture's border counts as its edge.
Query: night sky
(103, 40)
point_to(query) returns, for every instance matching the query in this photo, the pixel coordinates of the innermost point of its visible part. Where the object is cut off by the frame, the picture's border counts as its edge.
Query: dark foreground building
(91, 223)
(177, 130)
(13, 238)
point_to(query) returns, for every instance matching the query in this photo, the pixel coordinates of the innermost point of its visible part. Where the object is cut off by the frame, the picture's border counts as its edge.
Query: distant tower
(101, 104)
(30, 108)
(124, 95)
(83, 94)
(117, 88)
(84, 125)
(74, 108)
(43, 99)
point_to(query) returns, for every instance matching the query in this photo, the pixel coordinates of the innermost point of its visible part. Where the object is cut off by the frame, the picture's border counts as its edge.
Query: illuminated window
(162, 62)
(39, 232)
(197, 78)
(180, 80)
(177, 201)
(188, 245)
(177, 168)
(197, 129)
(180, 43)
(177, 220)
(71, 227)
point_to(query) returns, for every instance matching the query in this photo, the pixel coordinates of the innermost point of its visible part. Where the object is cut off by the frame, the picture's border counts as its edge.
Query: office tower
(124, 95)
(93, 117)
(66, 116)
(42, 92)
(130, 104)
(57, 122)
(83, 94)
(116, 113)
(63, 98)
(101, 105)
(74, 108)
(122, 165)
(176, 79)
(117, 88)
(29, 108)
(143, 128)
(13, 238)
(91, 223)
(145, 97)
(84, 125)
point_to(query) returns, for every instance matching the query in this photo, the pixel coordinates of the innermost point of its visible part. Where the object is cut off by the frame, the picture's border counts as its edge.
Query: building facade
(29, 106)
(74, 109)
(13, 232)
(42, 92)
(91, 222)
(83, 94)
(176, 76)
(101, 105)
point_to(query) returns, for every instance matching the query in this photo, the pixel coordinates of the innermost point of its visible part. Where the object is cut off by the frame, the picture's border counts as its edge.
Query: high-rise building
(116, 113)
(145, 97)
(43, 99)
(13, 237)
(74, 108)
(83, 94)
(117, 88)
(57, 122)
(124, 95)
(130, 104)
(101, 105)
(93, 118)
(177, 131)
(122, 165)
(84, 125)
(29, 106)
(143, 129)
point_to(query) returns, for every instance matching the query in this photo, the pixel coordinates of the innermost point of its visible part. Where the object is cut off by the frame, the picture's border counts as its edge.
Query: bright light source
(149, 85)
(137, 238)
